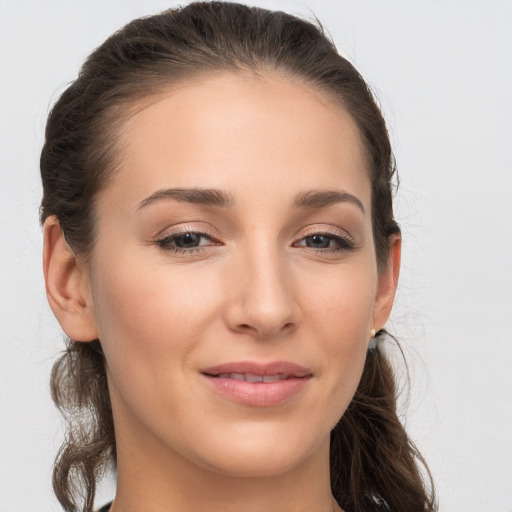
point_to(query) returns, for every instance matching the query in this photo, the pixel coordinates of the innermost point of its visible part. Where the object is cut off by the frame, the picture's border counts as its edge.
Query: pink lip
(259, 394)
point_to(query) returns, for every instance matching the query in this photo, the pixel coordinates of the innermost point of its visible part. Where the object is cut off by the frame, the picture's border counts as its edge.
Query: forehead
(233, 131)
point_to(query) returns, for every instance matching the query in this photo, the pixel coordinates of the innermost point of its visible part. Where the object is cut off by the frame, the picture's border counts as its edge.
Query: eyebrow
(207, 197)
(323, 198)
(313, 199)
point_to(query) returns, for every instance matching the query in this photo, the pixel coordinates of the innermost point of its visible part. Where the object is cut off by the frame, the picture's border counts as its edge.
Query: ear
(67, 285)
(387, 283)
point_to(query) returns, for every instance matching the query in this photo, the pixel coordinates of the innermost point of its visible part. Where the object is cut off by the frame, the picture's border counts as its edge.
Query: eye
(185, 242)
(326, 242)
(319, 241)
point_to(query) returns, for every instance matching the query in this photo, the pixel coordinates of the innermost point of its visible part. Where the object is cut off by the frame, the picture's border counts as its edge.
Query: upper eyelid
(183, 230)
(303, 232)
(329, 232)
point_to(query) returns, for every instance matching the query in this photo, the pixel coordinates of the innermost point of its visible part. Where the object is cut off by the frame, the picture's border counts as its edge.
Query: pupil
(187, 240)
(318, 241)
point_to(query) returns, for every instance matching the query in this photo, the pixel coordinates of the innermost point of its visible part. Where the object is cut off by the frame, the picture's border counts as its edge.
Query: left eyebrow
(324, 198)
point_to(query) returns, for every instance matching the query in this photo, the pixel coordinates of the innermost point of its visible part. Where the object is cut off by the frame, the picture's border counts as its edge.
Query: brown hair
(374, 465)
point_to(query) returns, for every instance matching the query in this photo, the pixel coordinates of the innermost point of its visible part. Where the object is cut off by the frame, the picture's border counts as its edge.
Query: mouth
(252, 377)
(261, 385)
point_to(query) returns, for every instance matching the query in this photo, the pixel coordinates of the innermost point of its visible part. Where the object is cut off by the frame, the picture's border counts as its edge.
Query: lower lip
(258, 394)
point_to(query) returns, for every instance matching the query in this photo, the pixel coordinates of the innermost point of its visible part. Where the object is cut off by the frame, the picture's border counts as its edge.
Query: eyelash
(344, 243)
(165, 243)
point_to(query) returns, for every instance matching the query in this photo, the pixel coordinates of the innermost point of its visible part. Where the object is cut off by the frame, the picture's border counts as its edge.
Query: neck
(154, 478)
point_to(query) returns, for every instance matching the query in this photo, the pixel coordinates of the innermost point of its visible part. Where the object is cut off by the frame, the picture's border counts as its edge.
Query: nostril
(251, 329)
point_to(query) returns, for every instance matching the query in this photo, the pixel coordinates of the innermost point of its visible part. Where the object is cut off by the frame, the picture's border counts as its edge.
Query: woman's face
(234, 246)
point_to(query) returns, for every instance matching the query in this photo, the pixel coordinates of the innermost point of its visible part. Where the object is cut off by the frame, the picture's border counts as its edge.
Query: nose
(262, 296)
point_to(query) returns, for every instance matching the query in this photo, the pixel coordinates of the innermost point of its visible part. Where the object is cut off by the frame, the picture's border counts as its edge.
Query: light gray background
(442, 73)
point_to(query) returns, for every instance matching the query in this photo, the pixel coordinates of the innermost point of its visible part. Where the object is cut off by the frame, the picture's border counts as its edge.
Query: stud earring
(372, 344)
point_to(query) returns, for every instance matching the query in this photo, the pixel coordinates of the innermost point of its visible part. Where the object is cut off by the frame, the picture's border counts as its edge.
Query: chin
(260, 465)
(261, 454)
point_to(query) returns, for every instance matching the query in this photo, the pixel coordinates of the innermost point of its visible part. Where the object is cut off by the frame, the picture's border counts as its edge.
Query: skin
(259, 288)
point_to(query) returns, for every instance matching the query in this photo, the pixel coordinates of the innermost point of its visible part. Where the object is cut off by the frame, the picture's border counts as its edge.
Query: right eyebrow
(204, 196)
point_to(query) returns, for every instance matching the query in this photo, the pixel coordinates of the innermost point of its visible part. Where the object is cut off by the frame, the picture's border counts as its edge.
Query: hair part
(374, 466)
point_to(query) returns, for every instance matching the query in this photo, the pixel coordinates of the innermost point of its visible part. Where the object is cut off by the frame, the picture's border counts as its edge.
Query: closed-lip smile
(258, 384)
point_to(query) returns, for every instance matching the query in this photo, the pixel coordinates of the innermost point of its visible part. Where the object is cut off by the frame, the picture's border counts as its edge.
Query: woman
(221, 251)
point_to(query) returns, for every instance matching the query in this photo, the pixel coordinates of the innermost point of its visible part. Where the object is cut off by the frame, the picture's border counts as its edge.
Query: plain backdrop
(442, 72)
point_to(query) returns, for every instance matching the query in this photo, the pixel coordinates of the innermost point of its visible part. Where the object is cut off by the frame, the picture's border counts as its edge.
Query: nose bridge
(264, 302)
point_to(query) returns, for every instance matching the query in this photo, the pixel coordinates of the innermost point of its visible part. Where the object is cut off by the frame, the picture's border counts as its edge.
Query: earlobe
(388, 280)
(67, 285)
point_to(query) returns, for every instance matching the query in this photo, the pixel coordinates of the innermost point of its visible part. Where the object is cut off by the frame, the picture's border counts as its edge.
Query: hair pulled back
(374, 465)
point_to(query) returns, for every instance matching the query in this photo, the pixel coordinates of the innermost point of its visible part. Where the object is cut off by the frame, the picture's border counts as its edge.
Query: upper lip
(263, 369)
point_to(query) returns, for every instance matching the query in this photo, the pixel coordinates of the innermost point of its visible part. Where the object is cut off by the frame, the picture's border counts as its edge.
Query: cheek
(146, 311)
(340, 304)
(340, 319)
